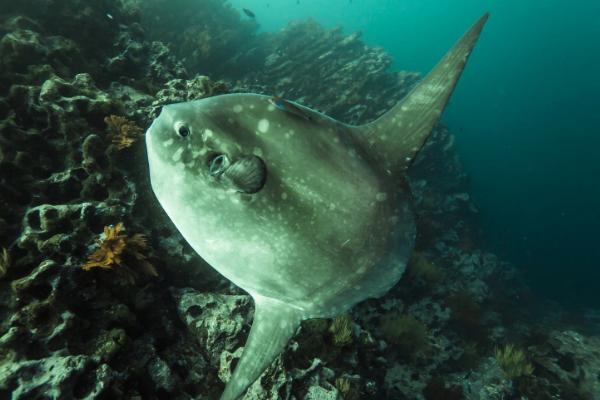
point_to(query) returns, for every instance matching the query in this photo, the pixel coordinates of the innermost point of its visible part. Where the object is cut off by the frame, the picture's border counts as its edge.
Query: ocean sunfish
(308, 215)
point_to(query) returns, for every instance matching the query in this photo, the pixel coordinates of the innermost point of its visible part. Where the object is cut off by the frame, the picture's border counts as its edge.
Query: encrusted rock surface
(216, 320)
(68, 333)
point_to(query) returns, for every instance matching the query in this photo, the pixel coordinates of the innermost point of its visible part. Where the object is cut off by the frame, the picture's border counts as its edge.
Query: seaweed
(5, 261)
(115, 248)
(122, 132)
(341, 330)
(513, 362)
(348, 388)
(406, 333)
(420, 267)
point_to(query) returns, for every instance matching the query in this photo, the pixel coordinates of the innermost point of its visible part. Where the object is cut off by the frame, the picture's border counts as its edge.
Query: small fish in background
(109, 16)
(249, 13)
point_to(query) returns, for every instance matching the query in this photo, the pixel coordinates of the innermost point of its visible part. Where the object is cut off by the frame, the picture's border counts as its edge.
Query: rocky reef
(101, 297)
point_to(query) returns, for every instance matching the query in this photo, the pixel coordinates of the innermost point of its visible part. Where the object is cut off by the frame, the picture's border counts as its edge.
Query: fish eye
(183, 131)
(218, 164)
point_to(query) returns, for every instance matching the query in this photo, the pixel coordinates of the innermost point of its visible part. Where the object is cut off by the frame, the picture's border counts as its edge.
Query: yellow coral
(111, 248)
(114, 246)
(341, 330)
(123, 132)
(4, 262)
(346, 388)
(513, 362)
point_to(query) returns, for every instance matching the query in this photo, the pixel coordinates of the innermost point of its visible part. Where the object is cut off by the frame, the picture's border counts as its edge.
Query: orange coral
(123, 132)
(115, 246)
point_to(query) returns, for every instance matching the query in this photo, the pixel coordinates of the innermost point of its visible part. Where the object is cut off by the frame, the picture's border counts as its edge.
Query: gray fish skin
(332, 225)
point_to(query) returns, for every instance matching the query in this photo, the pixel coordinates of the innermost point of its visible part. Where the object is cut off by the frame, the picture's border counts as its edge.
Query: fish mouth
(247, 174)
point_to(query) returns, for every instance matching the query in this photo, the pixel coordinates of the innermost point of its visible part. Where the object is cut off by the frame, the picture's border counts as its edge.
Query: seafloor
(134, 313)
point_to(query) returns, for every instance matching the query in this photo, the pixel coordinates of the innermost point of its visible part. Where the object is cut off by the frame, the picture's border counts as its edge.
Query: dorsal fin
(273, 326)
(398, 135)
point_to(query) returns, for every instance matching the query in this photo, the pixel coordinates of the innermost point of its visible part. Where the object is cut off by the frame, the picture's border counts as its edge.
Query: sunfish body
(307, 214)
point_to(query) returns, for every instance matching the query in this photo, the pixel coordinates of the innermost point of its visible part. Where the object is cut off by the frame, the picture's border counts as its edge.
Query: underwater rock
(86, 23)
(486, 382)
(55, 377)
(574, 359)
(179, 90)
(79, 96)
(320, 393)
(216, 321)
(142, 64)
(21, 48)
(204, 35)
(279, 380)
(323, 69)
(161, 374)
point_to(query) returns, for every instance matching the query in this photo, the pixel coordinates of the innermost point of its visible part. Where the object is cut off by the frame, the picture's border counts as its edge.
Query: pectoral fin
(273, 326)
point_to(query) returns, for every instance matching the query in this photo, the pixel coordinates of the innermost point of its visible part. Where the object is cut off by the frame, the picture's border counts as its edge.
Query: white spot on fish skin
(199, 153)
(207, 134)
(257, 151)
(263, 125)
(361, 270)
(283, 196)
(271, 107)
(177, 155)
(238, 109)
(169, 142)
(381, 196)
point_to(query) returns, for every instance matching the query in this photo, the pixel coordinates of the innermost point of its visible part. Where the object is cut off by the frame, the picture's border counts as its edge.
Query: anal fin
(273, 326)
